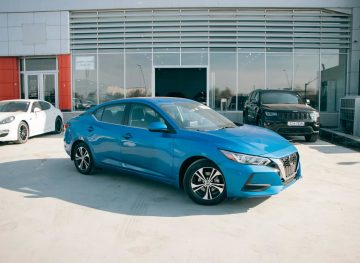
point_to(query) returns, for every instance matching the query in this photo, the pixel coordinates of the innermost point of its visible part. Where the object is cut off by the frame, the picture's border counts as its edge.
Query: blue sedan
(183, 143)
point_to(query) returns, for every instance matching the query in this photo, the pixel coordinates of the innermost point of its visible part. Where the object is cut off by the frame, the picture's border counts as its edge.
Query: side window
(36, 104)
(256, 96)
(45, 105)
(113, 114)
(98, 113)
(141, 116)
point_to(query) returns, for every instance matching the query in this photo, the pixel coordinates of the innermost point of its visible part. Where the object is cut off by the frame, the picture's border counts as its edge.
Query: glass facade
(241, 50)
(317, 75)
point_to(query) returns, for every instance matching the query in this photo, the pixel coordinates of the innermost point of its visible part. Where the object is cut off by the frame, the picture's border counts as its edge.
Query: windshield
(14, 106)
(196, 116)
(280, 98)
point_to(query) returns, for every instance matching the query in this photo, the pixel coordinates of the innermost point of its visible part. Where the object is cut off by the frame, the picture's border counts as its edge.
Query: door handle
(127, 136)
(90, 129)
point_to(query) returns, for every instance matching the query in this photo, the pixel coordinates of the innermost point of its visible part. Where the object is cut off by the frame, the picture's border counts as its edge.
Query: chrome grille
(287, 166)
(290, 165)
(294, 116)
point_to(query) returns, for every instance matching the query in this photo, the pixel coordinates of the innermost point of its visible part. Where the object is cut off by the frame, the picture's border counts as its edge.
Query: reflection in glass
(32, 64)
(333, 81)
(200, 58)
(33, 86)
(138, 74)
(307, 77)
(84, 81)
(279, 71)
(251, 76)
(223, 79)
(111, 77)
(166, 59)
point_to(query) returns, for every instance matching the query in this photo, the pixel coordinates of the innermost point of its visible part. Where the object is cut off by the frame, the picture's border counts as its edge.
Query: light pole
(143, 78)
(287, 78)
(307, 84)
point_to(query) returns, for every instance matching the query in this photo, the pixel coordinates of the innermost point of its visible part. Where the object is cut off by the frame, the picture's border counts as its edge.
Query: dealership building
(76, 54)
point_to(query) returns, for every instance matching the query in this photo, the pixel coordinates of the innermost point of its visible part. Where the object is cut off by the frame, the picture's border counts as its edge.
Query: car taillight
(66, 125)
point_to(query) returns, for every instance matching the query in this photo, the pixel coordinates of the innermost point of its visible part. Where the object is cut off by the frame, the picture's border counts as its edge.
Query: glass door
(42, 86)
(49, 89)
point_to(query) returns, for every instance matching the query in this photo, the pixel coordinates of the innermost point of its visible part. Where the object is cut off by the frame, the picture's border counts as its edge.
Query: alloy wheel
(207, 183)
(82, 158)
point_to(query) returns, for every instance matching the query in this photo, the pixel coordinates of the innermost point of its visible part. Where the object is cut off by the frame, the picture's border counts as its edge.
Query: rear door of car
(49, 116)
(145, 151)
(104, 134)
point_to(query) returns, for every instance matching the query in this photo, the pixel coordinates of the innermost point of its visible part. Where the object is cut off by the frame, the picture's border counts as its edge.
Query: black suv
(283, 112)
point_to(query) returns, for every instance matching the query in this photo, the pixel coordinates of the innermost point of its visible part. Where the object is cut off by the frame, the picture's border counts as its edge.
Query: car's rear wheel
(83, 159)
(311, 138)
(58, 125)
(23, 133)
(204, 183)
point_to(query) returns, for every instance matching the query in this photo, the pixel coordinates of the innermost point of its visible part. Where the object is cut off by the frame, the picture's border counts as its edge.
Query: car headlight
(7, 120)
(314, 115)
(245, 158)
(270, 113)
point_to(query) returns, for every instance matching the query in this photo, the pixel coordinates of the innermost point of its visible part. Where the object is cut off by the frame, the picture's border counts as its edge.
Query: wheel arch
(185, 165)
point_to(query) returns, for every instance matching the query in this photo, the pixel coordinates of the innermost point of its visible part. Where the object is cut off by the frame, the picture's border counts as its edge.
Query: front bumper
(283, 128)
(254, 180)
(8, 133)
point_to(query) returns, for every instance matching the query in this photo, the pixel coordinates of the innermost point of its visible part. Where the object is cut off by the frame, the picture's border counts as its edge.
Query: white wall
(34, 33)
(56, 5)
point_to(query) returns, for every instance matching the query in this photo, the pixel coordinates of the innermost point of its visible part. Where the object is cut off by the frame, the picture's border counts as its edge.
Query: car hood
(4, 115)
(287, 107)
(249, 139)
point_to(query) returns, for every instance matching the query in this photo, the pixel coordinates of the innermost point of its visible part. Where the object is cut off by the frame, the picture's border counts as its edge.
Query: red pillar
(64, 66)
(9, 78)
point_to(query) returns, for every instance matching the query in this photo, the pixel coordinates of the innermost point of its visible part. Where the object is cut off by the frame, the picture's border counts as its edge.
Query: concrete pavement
(51, 213)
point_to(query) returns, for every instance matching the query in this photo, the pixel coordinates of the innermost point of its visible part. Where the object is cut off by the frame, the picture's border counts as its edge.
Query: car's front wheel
(311, 138)
(83, 159)
(204, 183)
(23, 133)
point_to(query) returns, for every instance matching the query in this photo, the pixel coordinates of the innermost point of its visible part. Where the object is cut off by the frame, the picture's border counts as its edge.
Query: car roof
(154, 100)
(21, 100)
(275, 90)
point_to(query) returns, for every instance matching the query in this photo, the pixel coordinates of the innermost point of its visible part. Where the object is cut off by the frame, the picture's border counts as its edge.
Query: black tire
(311, 138)
(58, 125)
(23, 133)
(83, 159)
(204, 183)
(260, 122)
(245, 117)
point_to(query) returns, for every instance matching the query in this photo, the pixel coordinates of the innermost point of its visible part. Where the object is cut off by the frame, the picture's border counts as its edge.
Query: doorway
(41, 86)
(187, 83)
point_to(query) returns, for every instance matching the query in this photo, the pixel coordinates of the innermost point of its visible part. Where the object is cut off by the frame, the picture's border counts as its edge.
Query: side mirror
(158, 127)
(253, 101)
(37, 109)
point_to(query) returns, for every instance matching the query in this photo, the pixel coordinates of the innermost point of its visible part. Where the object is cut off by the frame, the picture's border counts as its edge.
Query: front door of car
(145, 151)
(37, 122)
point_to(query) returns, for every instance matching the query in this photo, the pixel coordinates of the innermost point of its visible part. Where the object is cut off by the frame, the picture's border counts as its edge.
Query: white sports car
(21, 119)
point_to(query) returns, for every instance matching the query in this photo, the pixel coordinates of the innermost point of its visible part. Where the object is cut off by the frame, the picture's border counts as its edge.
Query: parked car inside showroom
(21, 119)
(282, 111)
(183, 143)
